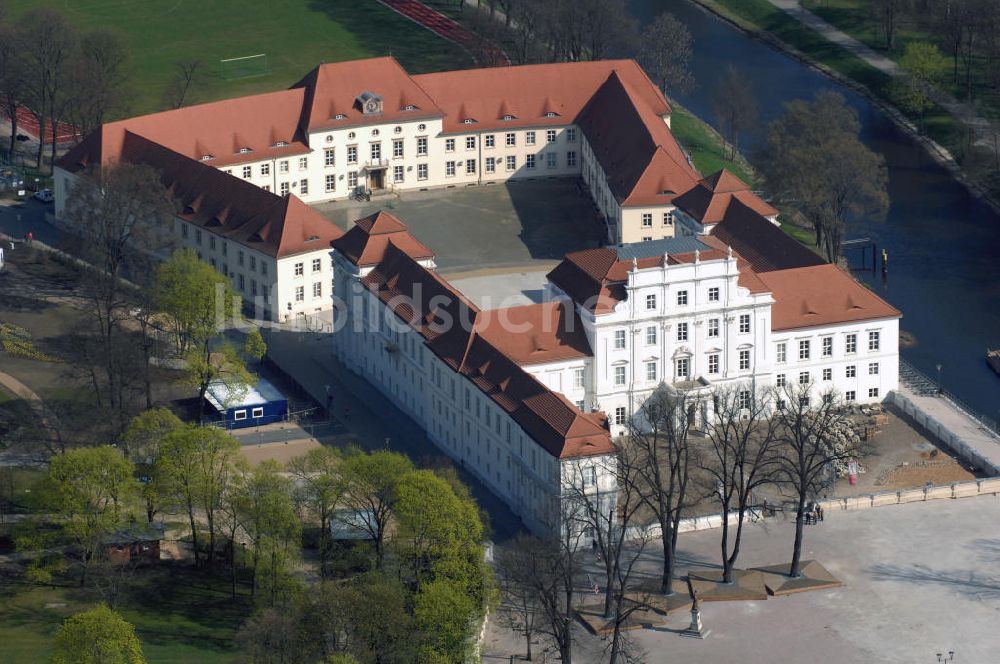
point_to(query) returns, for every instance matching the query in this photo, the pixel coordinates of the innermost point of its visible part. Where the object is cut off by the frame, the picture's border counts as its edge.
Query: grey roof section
(670, 245)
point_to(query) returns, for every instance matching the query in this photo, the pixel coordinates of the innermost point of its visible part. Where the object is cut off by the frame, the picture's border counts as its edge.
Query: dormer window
(507, 117)
(409, 107)
(469, 121)
(552, 114)
(340, 116)
(280, 144)
(245, 150)
(206, 157)
(369, 103)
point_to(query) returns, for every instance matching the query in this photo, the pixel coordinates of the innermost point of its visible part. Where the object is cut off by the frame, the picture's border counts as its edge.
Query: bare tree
(525, 18)
(520, 605)
(666, 52)
(187, 75)
(98, 87)
(888, 13)
(740, 458)
(13, 80)
(735, 107)
(659, 437)
(815, 440)
(48, 43)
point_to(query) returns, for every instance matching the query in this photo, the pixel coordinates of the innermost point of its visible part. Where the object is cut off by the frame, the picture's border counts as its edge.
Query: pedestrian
(31, 237)
(593, 546)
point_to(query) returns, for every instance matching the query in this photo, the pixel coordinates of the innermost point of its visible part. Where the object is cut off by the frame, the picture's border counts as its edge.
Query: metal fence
(924, 385)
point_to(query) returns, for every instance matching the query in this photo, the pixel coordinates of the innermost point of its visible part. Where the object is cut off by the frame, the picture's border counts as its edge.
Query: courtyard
(527, 225)
(919, 579)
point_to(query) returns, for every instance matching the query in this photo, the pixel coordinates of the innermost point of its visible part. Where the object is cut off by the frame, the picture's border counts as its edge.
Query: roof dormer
(369, 103)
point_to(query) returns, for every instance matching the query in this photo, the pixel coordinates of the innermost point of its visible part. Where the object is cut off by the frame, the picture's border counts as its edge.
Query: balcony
(377, 164)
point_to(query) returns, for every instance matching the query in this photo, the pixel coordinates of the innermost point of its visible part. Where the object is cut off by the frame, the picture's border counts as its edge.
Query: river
(944, 244)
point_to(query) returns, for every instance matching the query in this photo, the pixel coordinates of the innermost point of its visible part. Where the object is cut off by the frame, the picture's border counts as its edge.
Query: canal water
(943, 244)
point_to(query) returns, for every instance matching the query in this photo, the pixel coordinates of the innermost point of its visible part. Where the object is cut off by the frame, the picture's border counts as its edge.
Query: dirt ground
(280, 452)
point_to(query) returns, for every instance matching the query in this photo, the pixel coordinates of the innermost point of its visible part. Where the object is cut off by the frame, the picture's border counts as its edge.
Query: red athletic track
(27, 123)
(485, 52)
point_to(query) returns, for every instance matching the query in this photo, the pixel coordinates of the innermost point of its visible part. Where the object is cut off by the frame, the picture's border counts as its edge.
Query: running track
(484, 52)
(27, 123)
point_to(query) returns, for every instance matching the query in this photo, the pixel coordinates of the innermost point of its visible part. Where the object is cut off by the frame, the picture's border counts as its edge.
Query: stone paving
(919, 579)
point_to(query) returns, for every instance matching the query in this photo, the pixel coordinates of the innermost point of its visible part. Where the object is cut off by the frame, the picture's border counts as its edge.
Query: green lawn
(296, 35)
(182, 617)
(704, 145)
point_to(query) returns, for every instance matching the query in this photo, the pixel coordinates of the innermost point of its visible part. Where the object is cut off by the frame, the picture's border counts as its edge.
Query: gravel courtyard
(919, 579)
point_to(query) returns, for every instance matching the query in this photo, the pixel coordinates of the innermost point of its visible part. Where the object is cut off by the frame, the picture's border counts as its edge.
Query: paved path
(985, 135)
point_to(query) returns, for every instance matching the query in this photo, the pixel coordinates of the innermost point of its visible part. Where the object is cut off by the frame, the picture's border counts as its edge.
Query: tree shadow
(968, 582)
(557, 217)
(988, 550)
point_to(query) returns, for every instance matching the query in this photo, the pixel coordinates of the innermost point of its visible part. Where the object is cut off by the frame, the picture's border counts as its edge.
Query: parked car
(45, 196)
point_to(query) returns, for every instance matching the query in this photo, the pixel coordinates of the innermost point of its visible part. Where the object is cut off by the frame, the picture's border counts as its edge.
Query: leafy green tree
(142, 443)
(815, 161)
(97, 636)
(87, 489)
(268, 517)
(370, 490)
(381, 628)
(924, 65)
(442, 613)
(319, 489)
(194, 470)
(254, 346)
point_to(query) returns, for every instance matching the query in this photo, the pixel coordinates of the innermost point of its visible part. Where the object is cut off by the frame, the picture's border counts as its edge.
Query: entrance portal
(376, 179)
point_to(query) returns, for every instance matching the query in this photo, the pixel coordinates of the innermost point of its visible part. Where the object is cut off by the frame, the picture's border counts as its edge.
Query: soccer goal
(246, 67)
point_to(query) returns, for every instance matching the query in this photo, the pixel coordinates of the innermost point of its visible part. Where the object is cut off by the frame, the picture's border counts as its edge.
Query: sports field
(296, 35)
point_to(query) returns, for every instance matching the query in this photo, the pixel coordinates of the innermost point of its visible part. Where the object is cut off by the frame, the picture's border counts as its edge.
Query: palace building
(697, 287)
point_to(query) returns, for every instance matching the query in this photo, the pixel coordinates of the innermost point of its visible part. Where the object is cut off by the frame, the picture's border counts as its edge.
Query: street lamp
(940, 387)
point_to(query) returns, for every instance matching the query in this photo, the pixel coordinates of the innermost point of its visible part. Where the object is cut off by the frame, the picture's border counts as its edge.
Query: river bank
(749, 22)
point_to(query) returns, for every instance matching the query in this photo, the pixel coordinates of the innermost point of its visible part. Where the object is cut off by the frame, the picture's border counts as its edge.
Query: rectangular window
(491, 165)
(571, 135)
(283, 188)
(872, 392)
(713, 327)
(511, 162)
(873, 342)
(449, 169)
(239, 258)
(620, 415)
(682, 298)
(619, 375)
(781, 353)
(713, 294)
(421, 171)
(744, 323)
(329, 157)
(683, 368)
(352, 179)
(247, 171)
(421, 146)
(804, 349)
(713, 363)
(263, 267)
(550, 160)
(619, 339)
(352, 154)
(375, 151)
(743, 400)
(510, 140)
(744, 360)
(578, 376)
(318, 289)
(850, 395)
(331, 182)
(240, 414)
(257, 412)
(253, 263)
(804, 378)
(299, 268)
(242, 282)
(647, 219)
(303, 187)
(449, 145)
(873, 368)
(650, 302)
(650, 371)
(470, 166)
(827, 374)
(851, 343)
(197, 236)
(317, 265)
(283, 166)
(550, 136)
(489, 140)
(827, 346)
(581, 405)
(397, 148)
(265, 169)
(851, 371)
(211, 242)
(651, 335)
(571, 159)
(470, 142)
(397, 174)
(303, 163)
(682, 331)
(529, 161)
(300, 293)
(668, 218)
(779, 380)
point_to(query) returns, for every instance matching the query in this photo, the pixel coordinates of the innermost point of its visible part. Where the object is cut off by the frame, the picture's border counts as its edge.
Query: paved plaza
(919, 579)
(528, 224)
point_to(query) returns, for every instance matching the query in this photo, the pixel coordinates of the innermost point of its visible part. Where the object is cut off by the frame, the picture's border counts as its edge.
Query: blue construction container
(258, 404)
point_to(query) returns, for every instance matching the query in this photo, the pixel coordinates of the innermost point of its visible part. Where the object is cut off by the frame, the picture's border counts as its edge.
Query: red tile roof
(765, 246)
(233, 208)
(821, 295)
(451, 327)
(331, 90)
(708, 201)
(366, 243)
(535, 333)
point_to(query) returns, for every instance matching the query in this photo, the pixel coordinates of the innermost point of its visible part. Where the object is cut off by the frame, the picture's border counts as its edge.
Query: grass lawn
(181, 616)
(296, 35)
(704, 145)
